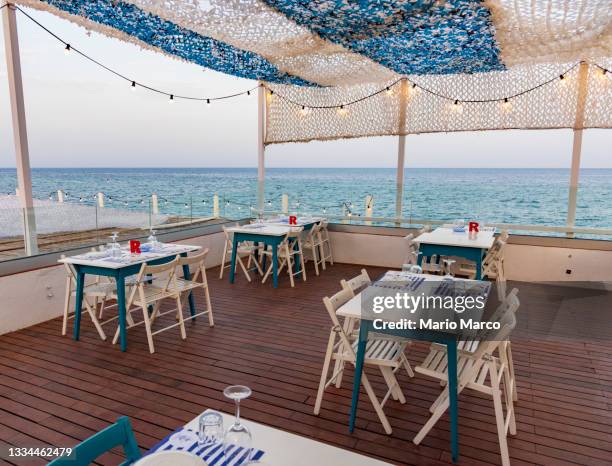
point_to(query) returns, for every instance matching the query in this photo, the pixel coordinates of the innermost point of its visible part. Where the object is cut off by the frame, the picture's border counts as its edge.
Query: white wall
(522, 262)
(32, 297)
(36, 296)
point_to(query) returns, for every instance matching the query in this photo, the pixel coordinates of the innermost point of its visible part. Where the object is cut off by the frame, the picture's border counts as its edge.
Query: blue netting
(407, 36)
(177, 41)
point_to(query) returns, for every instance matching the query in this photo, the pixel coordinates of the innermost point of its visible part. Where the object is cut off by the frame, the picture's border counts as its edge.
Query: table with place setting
(269, 232)
(412, 284)
(458, 241)
(119, 263)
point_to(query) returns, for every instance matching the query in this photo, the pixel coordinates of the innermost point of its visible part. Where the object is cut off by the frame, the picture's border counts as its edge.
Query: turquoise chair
(118, 434)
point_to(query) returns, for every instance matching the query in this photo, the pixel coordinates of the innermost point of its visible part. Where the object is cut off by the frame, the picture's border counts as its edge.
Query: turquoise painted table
(353, 310)
(269, 233)
(445, 242)
(90, 264)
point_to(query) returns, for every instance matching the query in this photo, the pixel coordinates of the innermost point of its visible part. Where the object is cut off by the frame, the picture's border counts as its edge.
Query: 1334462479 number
(35, 452)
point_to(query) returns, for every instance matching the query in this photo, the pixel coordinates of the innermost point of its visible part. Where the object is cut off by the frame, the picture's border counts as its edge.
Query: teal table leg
(275, 264)
(451, 351)
(187, 275)
(361, 349)
(233, 260)
(80, 283)
(120, 280)
(479, 266)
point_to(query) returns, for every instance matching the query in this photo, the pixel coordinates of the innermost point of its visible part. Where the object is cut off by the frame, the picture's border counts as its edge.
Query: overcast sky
(81, 116)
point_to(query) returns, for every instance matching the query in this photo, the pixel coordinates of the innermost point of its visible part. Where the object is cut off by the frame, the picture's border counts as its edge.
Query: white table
(353, 309)
(285, 449)
(446, 242)
(269, 235)
(97, 263)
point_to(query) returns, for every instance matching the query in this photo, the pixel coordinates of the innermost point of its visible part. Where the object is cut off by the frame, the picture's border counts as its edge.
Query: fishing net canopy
(354, 68)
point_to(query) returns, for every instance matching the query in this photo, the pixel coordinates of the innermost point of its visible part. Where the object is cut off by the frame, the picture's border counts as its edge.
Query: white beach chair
(144, 294)
(244, 250)
(481, 371)
(98, 293)
(289, 251)
(387, 355)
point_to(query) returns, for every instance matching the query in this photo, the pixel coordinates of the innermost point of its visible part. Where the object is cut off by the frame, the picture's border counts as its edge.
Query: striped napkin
(212, 453)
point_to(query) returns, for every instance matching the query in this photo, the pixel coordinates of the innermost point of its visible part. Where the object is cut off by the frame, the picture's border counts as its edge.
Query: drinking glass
(115, 247)
(211, 428)
(237, 435)
(183, 439)
(415, 269)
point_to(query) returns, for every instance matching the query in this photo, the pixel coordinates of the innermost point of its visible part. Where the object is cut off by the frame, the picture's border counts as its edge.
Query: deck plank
(58, 391)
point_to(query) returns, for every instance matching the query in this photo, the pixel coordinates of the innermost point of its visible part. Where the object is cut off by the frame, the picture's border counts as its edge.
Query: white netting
(530, 31)
(552, 105)
(252, 25)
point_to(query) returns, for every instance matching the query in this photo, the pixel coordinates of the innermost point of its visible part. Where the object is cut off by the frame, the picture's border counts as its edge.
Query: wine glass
(237, 435)
(115, 247)
(448, 268)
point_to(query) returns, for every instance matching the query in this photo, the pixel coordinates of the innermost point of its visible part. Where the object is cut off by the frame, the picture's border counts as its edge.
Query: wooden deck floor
(56, 391)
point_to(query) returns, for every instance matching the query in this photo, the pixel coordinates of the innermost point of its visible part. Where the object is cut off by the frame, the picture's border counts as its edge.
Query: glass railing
(67, 221)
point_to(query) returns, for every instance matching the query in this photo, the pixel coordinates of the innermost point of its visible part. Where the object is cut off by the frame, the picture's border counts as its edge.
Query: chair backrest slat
(115, 435)
(357, 283)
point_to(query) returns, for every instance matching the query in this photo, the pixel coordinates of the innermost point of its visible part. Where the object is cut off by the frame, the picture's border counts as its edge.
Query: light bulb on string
(207, 103)
(249, 94)
(457, 107)
(133, 85)
(171, 98)
(304, 110)
(342, 111)
(389, 92)
(506, 105)
(67, 49)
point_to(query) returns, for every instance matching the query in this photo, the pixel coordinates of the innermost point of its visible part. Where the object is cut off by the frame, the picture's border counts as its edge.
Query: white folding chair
(289, 251)
(511, 303)
(313, 244)
(244, 250)
(480, 371)
(146, 293)
(387, 355)
(198, 280)
(95, 291)
(326, 249)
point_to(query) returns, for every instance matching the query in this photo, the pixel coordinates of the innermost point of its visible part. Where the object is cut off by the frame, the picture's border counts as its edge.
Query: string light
(171, 98)
(506, 105)
(415, 86)
(207, 102)
(389, 92)
(133, 85)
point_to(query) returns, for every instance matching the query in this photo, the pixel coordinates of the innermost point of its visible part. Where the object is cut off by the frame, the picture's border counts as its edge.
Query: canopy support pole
(20, 135)
(401, 151)
(577, 146)
(261, 147)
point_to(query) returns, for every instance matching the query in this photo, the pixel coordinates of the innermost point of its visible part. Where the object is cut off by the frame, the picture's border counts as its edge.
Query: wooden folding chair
(289, 251)
(244, 250)
(483, 372)
(326, 249)
(312, 243)
(95, 291)
(198, 280)
(387, 355)
(144, 294)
